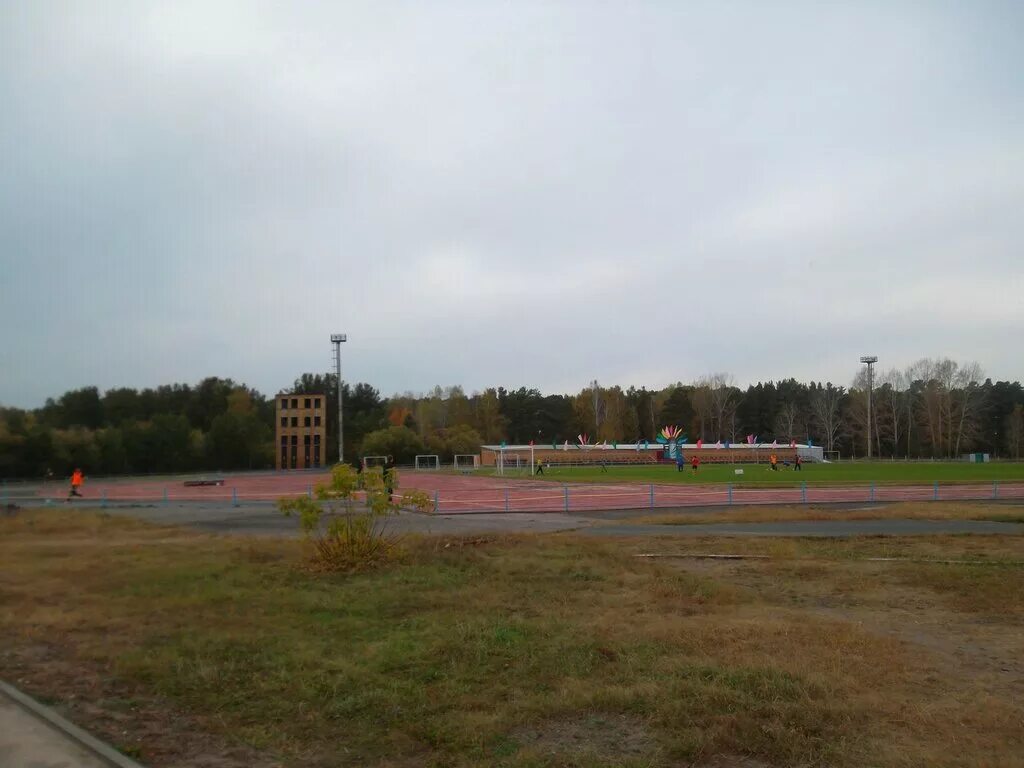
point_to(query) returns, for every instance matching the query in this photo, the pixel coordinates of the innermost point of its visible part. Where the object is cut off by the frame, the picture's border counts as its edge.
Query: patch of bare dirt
(605, 736)
(137, 723)
(961, 645)
(729, 761)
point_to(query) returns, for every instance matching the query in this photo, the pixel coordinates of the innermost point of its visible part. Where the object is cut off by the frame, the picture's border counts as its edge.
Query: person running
(76, 482)
(774, 462)
(798, 464)
(694, 463)
(604, 465)
(540, 467)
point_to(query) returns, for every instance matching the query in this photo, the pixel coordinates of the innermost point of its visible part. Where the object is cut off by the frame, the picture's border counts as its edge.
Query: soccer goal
(465, 462)
(831, 456)
(428, 461)
(369, 462)
(512, 463)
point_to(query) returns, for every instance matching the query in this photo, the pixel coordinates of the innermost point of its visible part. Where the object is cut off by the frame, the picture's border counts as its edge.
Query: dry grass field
(904, 510)
(191, 650)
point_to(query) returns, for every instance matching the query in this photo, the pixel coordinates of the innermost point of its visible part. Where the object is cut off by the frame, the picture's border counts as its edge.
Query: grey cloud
(528, 194)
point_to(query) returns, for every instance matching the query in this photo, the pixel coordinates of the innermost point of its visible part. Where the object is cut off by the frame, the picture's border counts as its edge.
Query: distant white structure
(976, 458)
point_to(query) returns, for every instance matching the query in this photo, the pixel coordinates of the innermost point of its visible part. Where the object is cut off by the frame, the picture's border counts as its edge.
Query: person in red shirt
(694, 462)
(76, 482)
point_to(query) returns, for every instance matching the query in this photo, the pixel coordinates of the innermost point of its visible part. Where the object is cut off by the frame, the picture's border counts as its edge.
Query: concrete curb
(103, 751)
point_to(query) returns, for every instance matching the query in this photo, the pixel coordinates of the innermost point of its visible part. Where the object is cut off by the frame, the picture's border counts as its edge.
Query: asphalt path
(267, 521)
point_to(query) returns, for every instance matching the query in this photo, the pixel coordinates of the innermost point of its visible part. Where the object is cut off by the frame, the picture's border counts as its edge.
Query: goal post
(466, 461)
(428, 461)
(511, 462)
(831, 456)
(369, 462)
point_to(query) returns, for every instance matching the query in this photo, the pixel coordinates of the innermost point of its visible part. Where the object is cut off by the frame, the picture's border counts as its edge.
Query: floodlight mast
(337, 339)
(869, 360)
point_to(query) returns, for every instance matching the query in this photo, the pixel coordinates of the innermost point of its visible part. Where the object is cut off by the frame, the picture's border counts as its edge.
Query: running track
(454, 494)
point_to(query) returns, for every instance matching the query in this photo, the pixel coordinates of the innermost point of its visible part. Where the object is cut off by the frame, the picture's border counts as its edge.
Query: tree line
(935, 408)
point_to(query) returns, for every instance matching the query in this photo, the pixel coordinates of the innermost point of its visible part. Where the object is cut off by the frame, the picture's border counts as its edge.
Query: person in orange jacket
(695, 462)
(76, 482)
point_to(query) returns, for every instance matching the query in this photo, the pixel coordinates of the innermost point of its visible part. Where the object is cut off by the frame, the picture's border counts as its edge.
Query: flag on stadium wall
(775, 443)
(809, 442)
(700, 442)
(718, 443)
(531, 442)
(792, 443)
(750, 439)
(727, 445)
(566, 446)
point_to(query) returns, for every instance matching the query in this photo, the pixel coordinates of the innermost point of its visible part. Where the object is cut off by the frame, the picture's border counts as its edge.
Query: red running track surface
(469, 493)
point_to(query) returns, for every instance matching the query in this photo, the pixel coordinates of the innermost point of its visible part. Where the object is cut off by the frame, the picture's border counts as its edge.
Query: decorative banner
(792, 443)
(504, 444)
(584, 441)
(566, 446)
(750, 439)
(775, 443)
(727, 445)
(810, 442)
(554, 445)
(671, 434)
(615, 444)
(671, 437)
(719, 443)
(700, 442)
(531, 442)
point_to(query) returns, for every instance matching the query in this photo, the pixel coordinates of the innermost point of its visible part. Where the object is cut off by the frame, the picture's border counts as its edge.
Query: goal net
(512, 463)
(831, 456)
(374, 461)
(428, 461)
(467, 461)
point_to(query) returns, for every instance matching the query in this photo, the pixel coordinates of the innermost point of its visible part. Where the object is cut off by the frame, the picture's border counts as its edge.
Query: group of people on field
(773, 462)
(681, 462)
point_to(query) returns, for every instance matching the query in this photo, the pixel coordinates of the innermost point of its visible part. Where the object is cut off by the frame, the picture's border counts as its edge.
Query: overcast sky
(512, 194)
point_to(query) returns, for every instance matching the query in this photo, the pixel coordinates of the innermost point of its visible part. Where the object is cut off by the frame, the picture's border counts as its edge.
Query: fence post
(730, 493)
(803, 491)
(995, 489)
(872, 490)
(103, 498)
(506, 499)
(565, 488)
(234, 496)
(309, 490)
(437, 503)
(652, 495)
(935, 491)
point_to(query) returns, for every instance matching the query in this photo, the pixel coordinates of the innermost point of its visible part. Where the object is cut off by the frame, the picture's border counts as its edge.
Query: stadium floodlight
(869, 360)
(336, 340)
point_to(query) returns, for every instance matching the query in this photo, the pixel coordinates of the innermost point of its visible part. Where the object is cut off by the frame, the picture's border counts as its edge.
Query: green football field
(861, 472)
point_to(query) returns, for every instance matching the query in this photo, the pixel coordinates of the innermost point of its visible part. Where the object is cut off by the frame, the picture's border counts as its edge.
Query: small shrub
(346, 522)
